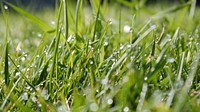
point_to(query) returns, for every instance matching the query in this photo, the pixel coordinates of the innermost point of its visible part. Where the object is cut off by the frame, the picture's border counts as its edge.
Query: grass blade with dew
(97, 22)
(173, 88)
(8, 95)
(22, 74)
(32, 18)
(6, 65)
(160, 62)
(143, 35)
(55, 57)
(183, 95)
(66, 19)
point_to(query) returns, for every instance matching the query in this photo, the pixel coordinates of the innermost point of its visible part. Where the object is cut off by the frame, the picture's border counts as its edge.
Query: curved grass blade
(170, 10)
(32, 18)
(22, 74)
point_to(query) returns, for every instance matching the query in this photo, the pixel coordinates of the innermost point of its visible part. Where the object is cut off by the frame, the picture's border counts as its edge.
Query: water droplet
(153, 26)
(94, 107)
(129, 65)
(170, 60)
(34, 99)
(39, 35)
(40, 71)
(91, 62)
(18, 48)
(39, 105)
(44, 94)
(23, 59)
(127, 29)
(129, 46)
(62, 108)
(24, 96)
(125, 79)
(52, 22)
(38, 56)
(109, 101)
(97, 90)
(104, 81)
(113, 59)
(105, 43)
(70, 38)
(126, 109)
(145, 78)
(110, 21)
(5, 7)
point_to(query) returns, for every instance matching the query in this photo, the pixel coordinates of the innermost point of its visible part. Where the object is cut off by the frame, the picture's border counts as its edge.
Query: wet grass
(128, 57)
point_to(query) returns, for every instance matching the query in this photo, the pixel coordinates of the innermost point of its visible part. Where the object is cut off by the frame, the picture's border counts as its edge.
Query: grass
(119, 57)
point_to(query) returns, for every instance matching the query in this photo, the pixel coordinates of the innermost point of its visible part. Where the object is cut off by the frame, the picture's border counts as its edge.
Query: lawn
(117, 56)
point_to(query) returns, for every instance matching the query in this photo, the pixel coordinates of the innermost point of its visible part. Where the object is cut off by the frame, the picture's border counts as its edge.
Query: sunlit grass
(100, 58)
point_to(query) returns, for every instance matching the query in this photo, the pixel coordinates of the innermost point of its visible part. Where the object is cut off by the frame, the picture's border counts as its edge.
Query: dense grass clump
(110, 57)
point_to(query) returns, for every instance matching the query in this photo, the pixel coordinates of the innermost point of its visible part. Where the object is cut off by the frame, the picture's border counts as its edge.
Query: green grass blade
(143, 35)
(55, 57)
(6, 66)
(8, 95)
(32, 18)
(22, 74)
(95, 4)
(97, 25)
(183, 95)
(66, 19)
(78, 8)
(181, 67)
(43, 74)
(160, 62)
(192, 8)
(168, 11)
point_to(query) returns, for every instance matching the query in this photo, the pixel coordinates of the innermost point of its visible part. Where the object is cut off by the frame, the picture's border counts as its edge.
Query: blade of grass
(160, 62)
(96, 24)
(32, 18)
(66, 19)
(95, 4)
(8, 95)
(192, 8)
(22, 74)
(78, 7)
(43, 74)
(143, 35)
(54, 64)
(170, 10)
(188, 83)
(173, 89)
(6, 67)
(181, 67)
